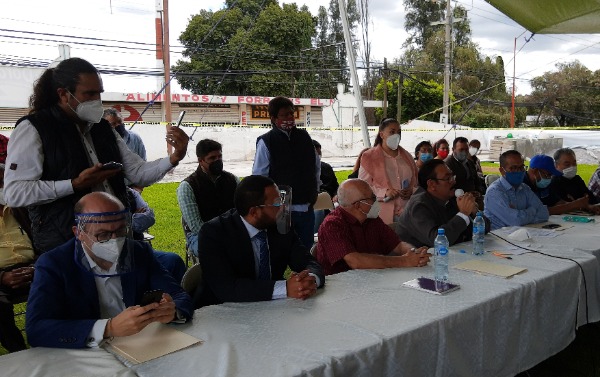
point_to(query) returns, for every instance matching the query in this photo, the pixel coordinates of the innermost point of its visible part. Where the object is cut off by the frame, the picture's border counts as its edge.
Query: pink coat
(373, 171)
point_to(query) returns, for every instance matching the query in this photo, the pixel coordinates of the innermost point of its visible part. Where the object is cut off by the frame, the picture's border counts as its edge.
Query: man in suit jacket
(89, 289)
(467, 178)
(434, 206)
(238, 264)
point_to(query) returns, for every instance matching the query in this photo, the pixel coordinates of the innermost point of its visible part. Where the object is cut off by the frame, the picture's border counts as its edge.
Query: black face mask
(216, 168)
(120, 130)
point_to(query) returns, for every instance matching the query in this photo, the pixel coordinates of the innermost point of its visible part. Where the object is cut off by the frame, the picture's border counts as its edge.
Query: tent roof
(553, 16)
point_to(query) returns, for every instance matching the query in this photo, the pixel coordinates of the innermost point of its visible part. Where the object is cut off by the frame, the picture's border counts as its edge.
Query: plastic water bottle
(478, 234)
(440, 257)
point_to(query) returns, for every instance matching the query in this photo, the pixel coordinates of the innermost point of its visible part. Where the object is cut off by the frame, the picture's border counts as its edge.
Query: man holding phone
(92, 287)
(56, 153)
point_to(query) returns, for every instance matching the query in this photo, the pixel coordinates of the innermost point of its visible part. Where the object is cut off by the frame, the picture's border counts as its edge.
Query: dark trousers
(10, 335)
(303, 223)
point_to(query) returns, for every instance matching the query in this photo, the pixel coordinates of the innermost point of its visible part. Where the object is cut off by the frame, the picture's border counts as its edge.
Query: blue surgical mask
(515, 178)
(425, 156)
(543, 182)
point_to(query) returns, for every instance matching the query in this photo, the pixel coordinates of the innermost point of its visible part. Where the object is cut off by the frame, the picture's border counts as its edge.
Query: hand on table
(417, 258)
(301, 285)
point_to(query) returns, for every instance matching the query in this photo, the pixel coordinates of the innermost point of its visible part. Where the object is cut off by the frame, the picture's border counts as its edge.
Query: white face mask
(473, 151)
(393, 141)
(89, 111)
(109, 250)
(374, 211)
(2, 201)
(570, 173)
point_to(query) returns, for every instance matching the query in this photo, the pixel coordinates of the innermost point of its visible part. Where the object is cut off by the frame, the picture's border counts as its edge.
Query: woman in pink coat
(390, 170)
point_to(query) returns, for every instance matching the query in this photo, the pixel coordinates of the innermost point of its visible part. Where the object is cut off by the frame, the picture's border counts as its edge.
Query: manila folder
(154, 341)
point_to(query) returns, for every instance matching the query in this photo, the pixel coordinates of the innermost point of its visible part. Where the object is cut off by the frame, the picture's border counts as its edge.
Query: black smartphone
(551, 226)
(112, 166)
(151, 296)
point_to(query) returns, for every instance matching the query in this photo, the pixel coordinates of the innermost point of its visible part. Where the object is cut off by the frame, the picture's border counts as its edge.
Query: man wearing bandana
(206, 193)
(90, 288)
(287, 155)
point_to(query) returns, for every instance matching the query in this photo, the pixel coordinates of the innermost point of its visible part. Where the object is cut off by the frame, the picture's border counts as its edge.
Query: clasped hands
(135, 318)
(301, 285)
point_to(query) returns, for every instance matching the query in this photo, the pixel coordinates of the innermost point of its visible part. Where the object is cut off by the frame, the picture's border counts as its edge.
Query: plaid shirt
(594, 184)
(3, 148)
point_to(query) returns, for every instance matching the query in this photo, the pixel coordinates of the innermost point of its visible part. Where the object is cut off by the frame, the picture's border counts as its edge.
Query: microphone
(459, 192)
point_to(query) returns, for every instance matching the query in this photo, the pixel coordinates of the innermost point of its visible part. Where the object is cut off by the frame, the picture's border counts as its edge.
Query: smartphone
(112, 166)
(151, 296)
(181, 114)
(551, 226)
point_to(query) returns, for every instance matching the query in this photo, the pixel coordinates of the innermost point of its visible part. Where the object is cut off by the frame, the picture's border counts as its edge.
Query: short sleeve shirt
(341, 234)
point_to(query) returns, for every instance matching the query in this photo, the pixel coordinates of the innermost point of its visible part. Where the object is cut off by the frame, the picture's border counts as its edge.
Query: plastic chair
(490, 178)
(192, 279)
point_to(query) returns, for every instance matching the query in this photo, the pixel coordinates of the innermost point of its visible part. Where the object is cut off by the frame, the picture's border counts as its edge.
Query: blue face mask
(543, 182)
(515, 178)
(426, 156)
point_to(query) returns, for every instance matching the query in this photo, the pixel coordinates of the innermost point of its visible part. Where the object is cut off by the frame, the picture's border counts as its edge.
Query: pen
(501, 255)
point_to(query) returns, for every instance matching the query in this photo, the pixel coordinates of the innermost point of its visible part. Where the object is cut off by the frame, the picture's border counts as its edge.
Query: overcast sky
(133, 21)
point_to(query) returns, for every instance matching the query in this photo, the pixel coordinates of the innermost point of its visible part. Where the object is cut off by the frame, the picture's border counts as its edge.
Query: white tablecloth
(365, 323)
(56, 362)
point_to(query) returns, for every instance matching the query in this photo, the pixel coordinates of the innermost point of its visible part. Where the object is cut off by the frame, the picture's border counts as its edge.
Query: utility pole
(354, 75)
(385, 72)
(400, 87)
(512, 109)
(167, 64)
(445, 117)
(446, 111)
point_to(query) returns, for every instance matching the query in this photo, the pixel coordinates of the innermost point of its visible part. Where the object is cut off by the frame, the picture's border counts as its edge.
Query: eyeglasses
(451, 178)
(515, 169)
(276, 204)
(103, 237)
(372, 198)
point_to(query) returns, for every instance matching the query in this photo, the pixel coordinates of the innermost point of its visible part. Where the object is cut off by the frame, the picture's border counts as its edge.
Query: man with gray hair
(131, 139)
(353, 236)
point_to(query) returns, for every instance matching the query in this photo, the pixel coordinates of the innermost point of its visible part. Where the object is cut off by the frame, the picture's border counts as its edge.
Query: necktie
(264, 266)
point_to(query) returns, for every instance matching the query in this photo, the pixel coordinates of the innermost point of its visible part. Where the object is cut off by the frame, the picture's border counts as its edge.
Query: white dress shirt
(25, 165)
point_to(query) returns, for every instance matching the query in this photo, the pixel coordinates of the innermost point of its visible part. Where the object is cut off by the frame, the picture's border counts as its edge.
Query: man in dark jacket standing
(286, 155)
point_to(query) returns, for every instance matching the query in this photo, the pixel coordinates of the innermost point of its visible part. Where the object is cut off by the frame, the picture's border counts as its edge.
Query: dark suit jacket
(63, 302)
(228, 267)
(424, 214)
(473, 182)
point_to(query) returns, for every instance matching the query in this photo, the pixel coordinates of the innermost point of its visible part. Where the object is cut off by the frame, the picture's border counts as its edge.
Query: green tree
(418, 99)
(421, 13)
(570, 94)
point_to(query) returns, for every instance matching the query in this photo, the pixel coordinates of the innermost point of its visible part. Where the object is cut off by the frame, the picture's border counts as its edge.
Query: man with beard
(434, 206)
(244, 257)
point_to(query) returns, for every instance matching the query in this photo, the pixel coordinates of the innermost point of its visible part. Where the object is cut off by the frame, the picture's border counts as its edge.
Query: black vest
(293, 163)
(212, 198)
(64, 158)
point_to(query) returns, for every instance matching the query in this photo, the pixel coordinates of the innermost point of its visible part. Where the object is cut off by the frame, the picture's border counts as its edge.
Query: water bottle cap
(441, 231)
(479, 213)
